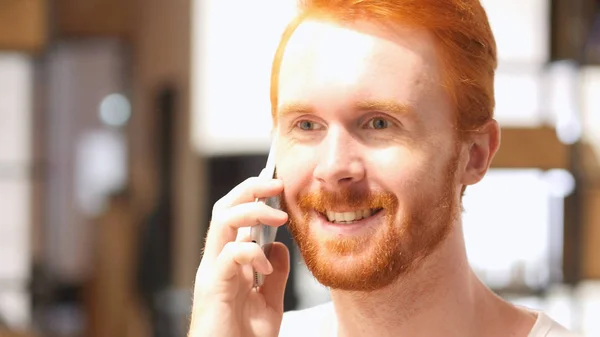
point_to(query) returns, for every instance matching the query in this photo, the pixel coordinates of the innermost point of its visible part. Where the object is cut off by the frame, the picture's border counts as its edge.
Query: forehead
(330, 63)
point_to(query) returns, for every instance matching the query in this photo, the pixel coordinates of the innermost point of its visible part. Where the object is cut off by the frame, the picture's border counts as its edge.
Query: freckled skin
(331, 146)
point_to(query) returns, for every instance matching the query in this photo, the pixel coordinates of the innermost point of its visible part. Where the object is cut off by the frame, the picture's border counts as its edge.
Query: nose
(340, 163)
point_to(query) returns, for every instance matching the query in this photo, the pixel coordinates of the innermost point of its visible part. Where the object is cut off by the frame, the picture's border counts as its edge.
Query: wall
(161, 44)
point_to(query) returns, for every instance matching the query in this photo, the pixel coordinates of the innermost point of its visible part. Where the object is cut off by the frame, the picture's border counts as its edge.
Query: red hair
(465, 43)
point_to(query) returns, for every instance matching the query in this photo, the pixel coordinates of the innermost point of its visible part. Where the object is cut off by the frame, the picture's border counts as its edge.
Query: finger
(274, 286)
(244, 234)
(237, 254)
(250, 190)
(252, 214)
(225, 227)
(262, 174)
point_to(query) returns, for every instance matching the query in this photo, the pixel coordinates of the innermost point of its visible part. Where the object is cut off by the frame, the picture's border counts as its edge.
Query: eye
(378, 123)
(307, 125)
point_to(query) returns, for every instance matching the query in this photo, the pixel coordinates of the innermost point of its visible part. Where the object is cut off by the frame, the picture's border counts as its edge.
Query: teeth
(348, 216)
(366, 213)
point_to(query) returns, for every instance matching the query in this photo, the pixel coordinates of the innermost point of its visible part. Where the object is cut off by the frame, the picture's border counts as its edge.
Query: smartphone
(261, 234)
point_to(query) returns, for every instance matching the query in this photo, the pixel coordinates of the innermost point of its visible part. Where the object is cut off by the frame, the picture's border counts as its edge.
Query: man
(383, 114)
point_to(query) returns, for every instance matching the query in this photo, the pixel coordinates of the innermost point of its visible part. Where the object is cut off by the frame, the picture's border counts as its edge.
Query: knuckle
(218, 206)
(247, 184)
(251, 180)
(260, 208)
(252, 183)
(229, 248)
(240, 252)
(216, 219)
(257, 250)
(241, 248)
(220, 215)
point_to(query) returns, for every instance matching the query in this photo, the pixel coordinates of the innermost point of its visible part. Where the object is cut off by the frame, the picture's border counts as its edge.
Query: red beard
(395, 248)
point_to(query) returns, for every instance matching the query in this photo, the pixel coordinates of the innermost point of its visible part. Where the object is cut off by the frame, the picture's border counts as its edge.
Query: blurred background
(123, 121)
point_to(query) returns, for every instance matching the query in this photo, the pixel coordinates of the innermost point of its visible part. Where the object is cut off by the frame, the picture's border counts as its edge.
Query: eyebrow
(387, 106)
(295, 108)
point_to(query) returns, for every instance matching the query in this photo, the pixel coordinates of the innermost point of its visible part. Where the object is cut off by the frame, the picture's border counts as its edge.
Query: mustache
(323, 200)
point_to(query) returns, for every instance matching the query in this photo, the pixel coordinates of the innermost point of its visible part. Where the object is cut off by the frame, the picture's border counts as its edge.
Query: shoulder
(313, 321)
(547, 327)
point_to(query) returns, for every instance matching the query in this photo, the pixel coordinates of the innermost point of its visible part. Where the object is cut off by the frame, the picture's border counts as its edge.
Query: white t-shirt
(320, 321)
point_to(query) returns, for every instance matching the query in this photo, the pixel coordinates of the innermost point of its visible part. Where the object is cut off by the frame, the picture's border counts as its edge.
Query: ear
(482, 145)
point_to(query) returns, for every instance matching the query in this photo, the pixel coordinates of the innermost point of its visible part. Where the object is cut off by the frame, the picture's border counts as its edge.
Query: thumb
(273, 288)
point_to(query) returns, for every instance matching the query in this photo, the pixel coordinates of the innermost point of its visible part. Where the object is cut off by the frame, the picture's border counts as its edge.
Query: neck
(442, 297)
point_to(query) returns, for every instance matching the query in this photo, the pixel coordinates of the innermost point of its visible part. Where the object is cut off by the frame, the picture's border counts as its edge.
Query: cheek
(294, 168)
(398, 164)
(405, 173)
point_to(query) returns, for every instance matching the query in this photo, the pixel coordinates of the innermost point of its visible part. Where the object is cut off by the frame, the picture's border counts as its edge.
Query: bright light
(563, 100)
(561, 183)
(590, 82)
(569, 131)
(521, 29)
(509, 207)
(115, 110)
(233, 43)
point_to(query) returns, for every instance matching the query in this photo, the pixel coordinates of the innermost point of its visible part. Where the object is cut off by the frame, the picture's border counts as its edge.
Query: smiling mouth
(349, 217)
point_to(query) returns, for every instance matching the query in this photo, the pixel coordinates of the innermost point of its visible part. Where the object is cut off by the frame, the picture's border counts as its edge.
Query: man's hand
(225, 302)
